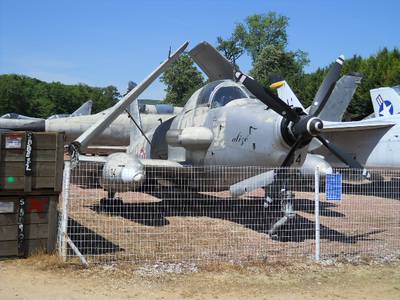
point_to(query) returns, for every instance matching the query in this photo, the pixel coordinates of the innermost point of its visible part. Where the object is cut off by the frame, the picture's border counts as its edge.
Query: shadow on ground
(87, 241)
(249, 213)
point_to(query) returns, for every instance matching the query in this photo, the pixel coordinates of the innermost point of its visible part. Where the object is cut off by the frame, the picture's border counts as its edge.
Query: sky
(104, 42)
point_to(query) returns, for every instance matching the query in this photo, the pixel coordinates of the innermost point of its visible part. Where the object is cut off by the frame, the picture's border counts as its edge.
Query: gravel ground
(169, 225)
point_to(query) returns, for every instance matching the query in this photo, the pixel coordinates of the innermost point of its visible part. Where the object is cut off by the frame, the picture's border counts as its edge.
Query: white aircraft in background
(386, 101)
(14, 121)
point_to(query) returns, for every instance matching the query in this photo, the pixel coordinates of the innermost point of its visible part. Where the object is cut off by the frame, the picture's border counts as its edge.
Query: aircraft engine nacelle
(193, 138)
(314, 161)
(122, 172)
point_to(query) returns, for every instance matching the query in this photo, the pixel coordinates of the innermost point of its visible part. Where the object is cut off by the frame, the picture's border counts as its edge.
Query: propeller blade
(289, 157)
(343, 156)
(268, 98)
(326, 87)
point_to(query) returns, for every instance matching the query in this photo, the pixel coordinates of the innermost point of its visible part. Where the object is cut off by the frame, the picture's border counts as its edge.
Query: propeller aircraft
(231, 121)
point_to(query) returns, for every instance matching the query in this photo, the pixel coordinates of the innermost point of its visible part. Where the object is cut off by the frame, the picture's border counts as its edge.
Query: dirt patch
(46, 278)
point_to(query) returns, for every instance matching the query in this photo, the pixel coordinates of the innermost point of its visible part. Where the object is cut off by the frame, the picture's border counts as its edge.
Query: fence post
(62, 243)
(317, 216)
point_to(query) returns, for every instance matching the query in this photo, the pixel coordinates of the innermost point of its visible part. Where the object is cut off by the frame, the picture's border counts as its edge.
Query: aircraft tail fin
(286, 93)
(84, 110)
(386, 101)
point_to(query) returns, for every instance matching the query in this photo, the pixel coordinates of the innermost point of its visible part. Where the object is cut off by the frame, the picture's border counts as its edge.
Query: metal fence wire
(197, 214)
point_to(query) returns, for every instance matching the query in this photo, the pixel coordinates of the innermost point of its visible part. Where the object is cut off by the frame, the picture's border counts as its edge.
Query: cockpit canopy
(218, 94)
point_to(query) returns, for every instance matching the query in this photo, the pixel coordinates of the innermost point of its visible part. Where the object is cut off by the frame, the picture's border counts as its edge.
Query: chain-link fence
(233, 214)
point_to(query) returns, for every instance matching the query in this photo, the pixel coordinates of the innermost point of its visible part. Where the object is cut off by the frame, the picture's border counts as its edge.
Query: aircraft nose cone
(138, 177)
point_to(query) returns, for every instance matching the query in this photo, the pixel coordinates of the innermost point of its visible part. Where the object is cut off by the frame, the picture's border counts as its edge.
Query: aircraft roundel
(385, 106)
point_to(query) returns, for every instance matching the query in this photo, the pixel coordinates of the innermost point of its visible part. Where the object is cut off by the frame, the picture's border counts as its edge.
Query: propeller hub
(308, 126)
(314, 126)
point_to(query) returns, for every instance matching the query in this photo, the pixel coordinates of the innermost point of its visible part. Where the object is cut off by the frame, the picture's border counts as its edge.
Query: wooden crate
(28, 223)
(40, 168)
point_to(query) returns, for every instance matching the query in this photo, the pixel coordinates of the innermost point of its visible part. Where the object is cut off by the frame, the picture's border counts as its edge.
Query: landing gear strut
(111, 201)
(281, 202)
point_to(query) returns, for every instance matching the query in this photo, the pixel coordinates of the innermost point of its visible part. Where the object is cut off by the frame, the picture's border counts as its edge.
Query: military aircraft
(114, 138)
(14, 121)
(232, 120)
(116, 135)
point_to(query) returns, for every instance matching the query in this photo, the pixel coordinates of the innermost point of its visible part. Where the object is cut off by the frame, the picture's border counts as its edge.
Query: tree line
(32, 97)
(263, 37)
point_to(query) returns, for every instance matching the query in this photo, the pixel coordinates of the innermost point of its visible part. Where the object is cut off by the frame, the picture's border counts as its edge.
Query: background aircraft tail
(386, 101)
(286, 93)
(338, 100)
(84, 110)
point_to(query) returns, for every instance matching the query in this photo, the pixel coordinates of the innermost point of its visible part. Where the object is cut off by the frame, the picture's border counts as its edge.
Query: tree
(261, 30)
(264, 38)
(379, 70)
(32, 97)
(181, 79)
(274, 63)
(230, 48)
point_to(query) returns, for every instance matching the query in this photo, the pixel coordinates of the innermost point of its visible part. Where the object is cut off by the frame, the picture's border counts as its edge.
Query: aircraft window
(226, 94)
(249, 93)
(205, 93)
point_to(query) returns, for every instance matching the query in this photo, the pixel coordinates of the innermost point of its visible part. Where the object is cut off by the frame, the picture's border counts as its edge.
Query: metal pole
(76, 250)
(62, 232)
(317, 216)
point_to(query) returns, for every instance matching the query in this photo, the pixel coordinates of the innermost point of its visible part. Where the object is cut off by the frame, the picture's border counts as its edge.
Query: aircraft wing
(147, 163)
(340, 98)
(356, 125)
(92, 159)
(216, 66)
(162, 163)
(85, 138)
